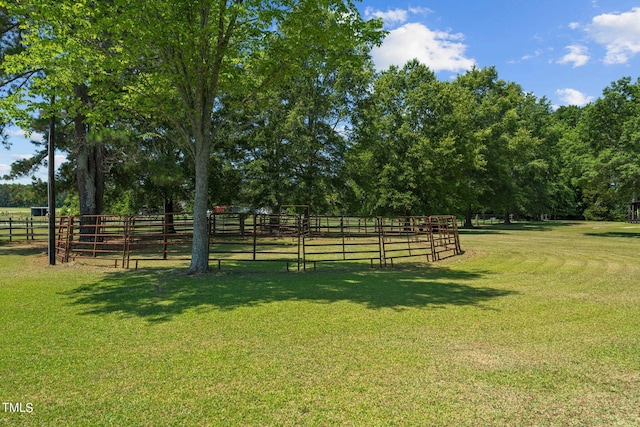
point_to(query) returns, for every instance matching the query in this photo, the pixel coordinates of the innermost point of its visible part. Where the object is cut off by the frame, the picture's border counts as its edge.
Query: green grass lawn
(536, 324)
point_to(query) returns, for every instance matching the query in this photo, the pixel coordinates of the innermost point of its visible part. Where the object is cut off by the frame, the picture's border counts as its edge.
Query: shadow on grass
(498, 228)
(629, 235)
(23, 248)
(158, 295)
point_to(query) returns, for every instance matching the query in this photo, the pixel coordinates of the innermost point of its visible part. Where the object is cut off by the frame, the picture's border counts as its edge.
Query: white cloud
(17, 132)
(420, 10)
(618, 33)
(574, 97)
(390, 17)
(20, 133)
(21, 156)
(536, 54)
(439, 50)
(59, 159)
(4, 169)
(574, 25)
(578, 56)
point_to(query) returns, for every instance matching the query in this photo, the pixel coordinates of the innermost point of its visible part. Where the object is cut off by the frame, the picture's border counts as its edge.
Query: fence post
(380, 241)
(300, 231)
(165, 232)
(255, 234)
(10, 229)
(304, 251)
(69, 238)
(344, 255)
(431, 238)
(126, 236)
(209, 234)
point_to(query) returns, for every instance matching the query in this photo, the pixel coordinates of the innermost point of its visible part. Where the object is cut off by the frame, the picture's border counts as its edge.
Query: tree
(608, 142)
(149, 173)
(65, 53)
(543, 187)
(295, 137)
(22, 195)
(518, 140)
(198, 51)
(415, 149)
(494, 120)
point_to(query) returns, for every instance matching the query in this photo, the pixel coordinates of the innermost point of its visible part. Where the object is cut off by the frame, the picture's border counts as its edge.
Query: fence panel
(254, 237)
(30, 228)
(444, 236)
(159, 237)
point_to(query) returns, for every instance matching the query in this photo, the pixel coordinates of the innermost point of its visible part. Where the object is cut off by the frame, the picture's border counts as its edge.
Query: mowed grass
(536, 324)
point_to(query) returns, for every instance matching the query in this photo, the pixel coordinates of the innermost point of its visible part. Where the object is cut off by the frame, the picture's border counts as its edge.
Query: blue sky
(565, 50)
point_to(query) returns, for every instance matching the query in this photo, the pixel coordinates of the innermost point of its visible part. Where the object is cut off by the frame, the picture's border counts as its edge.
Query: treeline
(410, 145)
(21, 196)
(28, 195)
(191, 104)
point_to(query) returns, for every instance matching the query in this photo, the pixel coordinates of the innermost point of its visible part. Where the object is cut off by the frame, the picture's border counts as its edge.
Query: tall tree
(542, 187)
(415, 149)
(10, 44)
(609, 144)
(518, 140)
(392, 163)
(572, 156)
(198, 51)
(295, 142)
(65, 53)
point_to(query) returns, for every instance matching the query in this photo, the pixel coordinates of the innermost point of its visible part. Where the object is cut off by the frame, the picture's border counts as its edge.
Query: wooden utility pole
(52, 185)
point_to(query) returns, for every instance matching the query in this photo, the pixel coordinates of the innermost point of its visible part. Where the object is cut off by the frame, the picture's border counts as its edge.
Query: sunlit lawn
(6, 213)
(536, 324)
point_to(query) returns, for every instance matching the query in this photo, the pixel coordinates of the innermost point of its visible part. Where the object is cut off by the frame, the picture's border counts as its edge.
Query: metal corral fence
(29, 228)
(300, 241)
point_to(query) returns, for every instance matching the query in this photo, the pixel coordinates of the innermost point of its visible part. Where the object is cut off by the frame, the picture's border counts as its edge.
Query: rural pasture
(534, 324)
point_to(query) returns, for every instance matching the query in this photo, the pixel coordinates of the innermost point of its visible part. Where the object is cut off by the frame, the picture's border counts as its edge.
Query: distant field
(17, 224)
(15, 212)
(536, 324)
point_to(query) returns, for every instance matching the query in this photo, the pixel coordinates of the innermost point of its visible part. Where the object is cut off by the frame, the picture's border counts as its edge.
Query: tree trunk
(200, 245)
(89, 172)
(168, 215)
(468, 222)
(507, 218)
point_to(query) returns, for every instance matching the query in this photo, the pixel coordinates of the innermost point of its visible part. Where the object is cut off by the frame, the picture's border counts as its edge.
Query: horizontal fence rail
(30, 228)
(300, 241)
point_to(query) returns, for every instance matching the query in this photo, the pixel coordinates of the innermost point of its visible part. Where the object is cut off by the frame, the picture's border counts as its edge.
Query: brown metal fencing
(121, 239)
(300, 241)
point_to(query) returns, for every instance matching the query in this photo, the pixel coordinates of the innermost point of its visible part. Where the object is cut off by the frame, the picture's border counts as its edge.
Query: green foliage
(292, 151)
(606, 145)
(71, 205)
(393, 151)
(424, 146)
(20, 195)
(125, 204)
